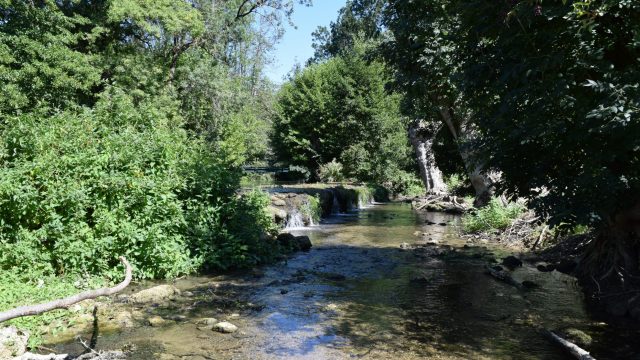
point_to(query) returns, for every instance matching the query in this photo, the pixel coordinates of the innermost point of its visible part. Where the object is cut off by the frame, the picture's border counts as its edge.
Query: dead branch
(30, 310)
(573, 349)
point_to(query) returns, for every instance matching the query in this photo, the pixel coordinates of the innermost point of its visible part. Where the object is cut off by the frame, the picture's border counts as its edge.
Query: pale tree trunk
(481, 180)
(421, 135)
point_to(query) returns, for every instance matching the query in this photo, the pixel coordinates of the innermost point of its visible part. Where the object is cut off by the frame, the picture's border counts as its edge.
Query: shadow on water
(359, 294)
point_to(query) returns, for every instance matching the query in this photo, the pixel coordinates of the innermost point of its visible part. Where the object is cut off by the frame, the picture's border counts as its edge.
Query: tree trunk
(481, 181)
(609, 270)
(421, 135)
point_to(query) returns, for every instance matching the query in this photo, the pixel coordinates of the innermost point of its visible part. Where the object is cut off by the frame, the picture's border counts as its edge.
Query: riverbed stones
(208, 321)
(155, 294)
(156, 321)
(405, 246)
(225, 327)
(13, 342)
(545, 267)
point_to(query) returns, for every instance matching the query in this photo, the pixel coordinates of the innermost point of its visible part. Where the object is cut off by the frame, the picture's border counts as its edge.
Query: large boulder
(279, 216)
(286, 240)
(303, 243)
(154, 295)
(13, 342)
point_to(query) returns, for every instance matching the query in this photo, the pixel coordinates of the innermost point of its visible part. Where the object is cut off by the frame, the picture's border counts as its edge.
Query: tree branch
(240, 14)
(30, 310)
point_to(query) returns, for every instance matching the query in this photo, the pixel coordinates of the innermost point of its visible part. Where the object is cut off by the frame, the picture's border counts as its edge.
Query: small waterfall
(295, 220)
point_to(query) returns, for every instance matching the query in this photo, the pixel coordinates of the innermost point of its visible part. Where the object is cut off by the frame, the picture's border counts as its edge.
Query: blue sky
(295, 46)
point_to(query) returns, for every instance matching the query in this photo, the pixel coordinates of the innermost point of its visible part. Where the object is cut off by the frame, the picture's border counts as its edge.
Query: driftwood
(30, 310)
(573, 349)
(504, 277)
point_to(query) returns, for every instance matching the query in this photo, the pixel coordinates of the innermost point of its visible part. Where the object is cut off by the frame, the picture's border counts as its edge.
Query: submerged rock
(511, 262)
(156, 321)
(545, 267)
(333, 276)
(154, 294)
(208, 321)
(225, 327)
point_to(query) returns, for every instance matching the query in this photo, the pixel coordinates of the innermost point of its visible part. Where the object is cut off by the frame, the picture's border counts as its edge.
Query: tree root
(30, 310)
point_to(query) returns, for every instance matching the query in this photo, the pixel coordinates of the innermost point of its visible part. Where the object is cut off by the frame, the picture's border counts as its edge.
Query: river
(359, 295)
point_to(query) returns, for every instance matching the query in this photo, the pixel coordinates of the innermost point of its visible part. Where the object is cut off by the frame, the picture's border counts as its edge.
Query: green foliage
(253, 180)
(555, 87)
(331, 172)
(340, 110)
(19, 288)
(312, 209)
(494, 216)
(548, 91)
(222, 239)
(358, 20)
(405, 183)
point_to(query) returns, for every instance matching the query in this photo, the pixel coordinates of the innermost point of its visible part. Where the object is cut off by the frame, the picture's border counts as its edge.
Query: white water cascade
(294, 221)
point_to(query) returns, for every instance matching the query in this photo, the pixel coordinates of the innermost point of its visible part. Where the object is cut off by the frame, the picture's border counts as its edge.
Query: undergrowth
(19, 289)
(494, 216)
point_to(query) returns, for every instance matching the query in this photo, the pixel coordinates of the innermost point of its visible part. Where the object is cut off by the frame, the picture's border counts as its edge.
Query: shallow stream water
(358, 294)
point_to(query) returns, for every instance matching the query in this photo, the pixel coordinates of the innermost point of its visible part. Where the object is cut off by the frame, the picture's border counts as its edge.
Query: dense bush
(80, 188)
(340, 109)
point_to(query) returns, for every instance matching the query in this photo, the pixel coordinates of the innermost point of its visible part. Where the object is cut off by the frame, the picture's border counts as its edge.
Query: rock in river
(225, 327)
(511, 262)
(304, 243)
(154, 294)
(156, 321)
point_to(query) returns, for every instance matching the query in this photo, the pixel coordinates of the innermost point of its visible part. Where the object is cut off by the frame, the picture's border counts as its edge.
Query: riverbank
(380, 283)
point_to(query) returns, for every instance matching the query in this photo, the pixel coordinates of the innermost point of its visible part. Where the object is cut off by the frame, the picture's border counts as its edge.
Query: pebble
(225, 327)
(156, 321)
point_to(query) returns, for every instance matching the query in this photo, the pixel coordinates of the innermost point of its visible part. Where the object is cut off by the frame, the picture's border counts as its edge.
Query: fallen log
(573, 349)
(504, 277)
(30, 310)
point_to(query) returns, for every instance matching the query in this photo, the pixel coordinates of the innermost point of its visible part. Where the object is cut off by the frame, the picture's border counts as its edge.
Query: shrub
(494, 216)
(80, 188)
(331, 172)
(312, 209)
(405, 183)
